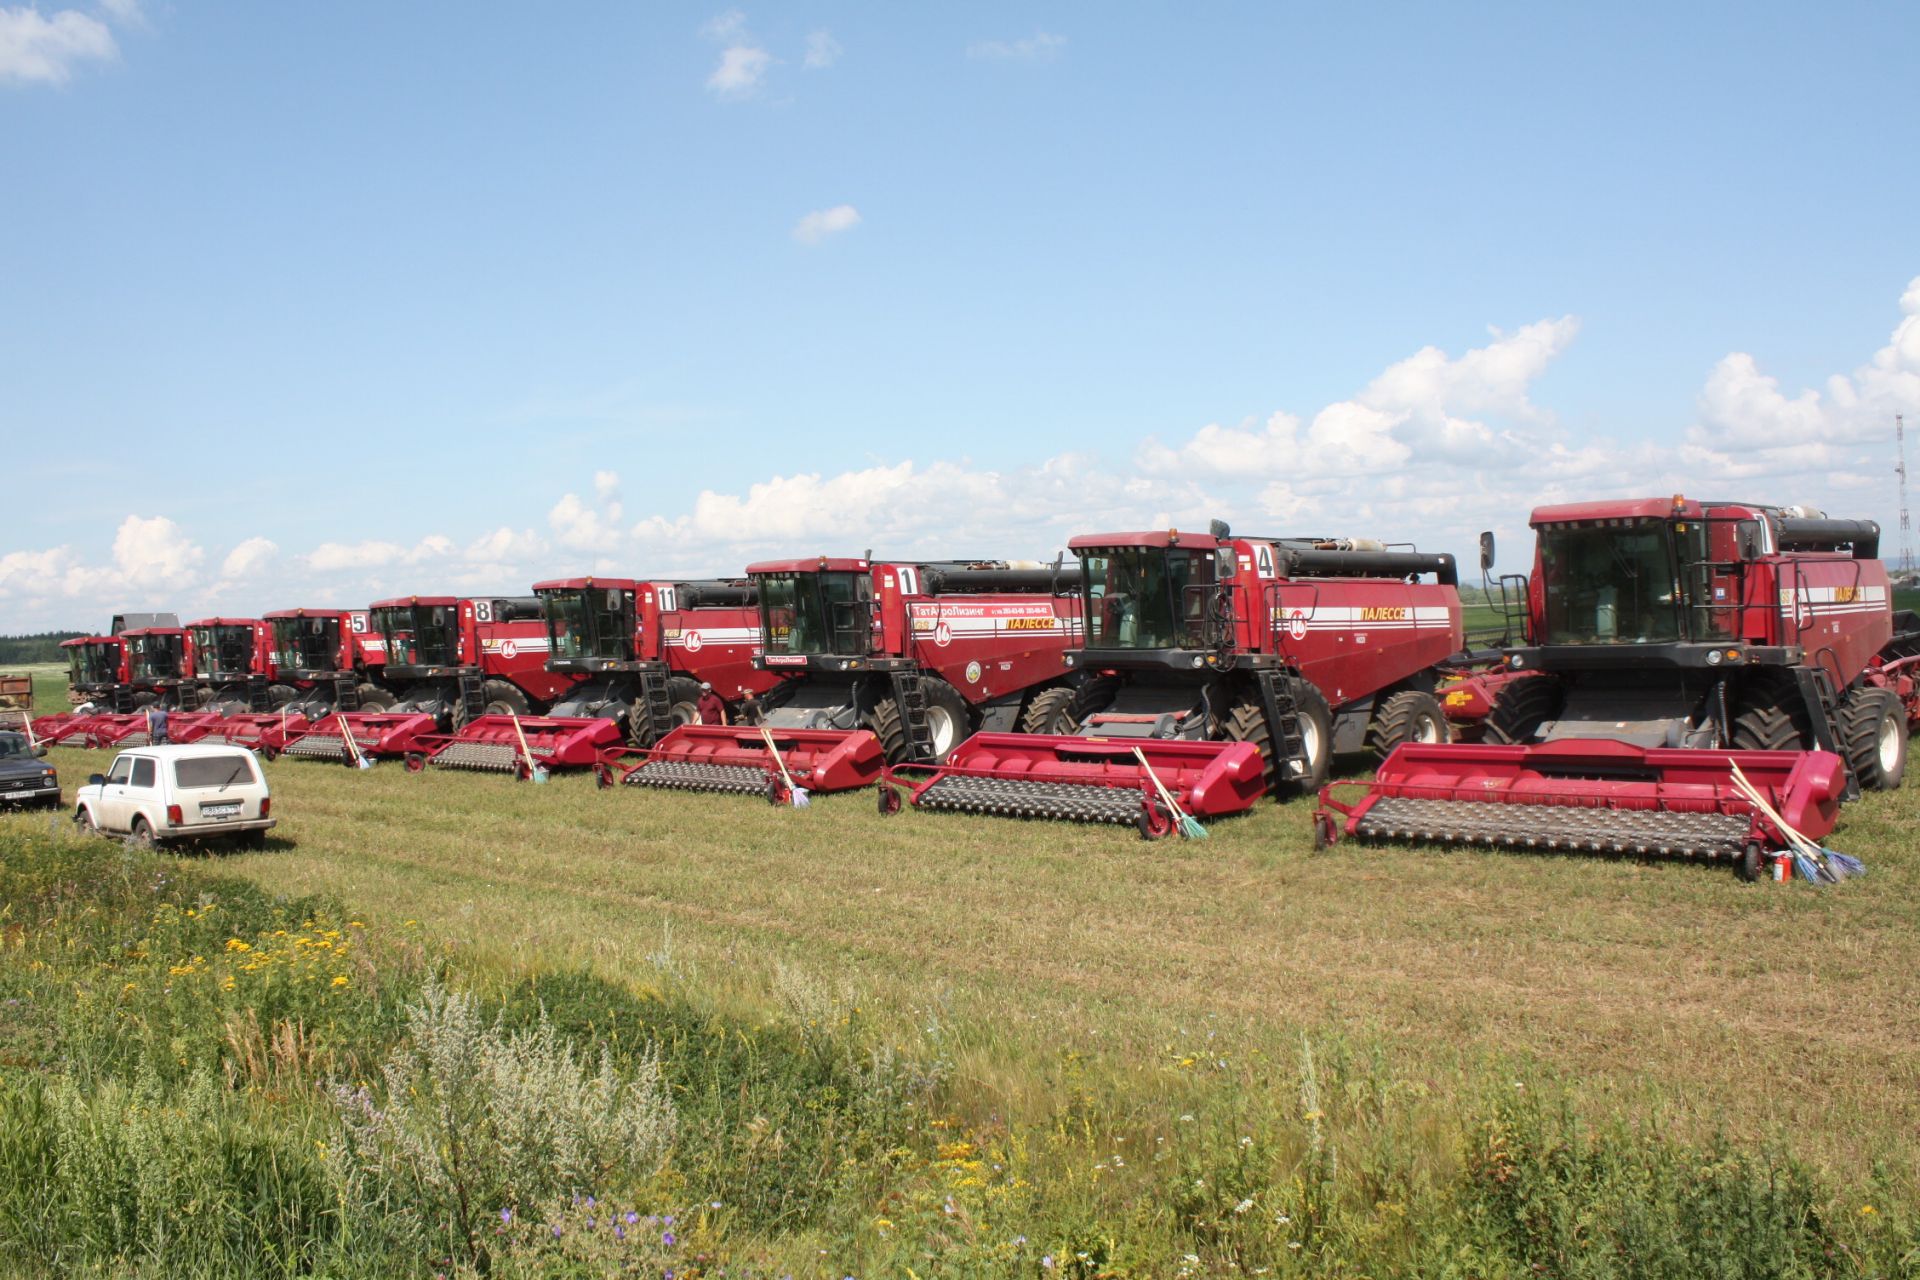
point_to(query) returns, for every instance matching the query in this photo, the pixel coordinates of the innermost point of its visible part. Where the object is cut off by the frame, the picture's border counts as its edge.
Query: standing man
(157, 724)
(751, 712)
(710, 708)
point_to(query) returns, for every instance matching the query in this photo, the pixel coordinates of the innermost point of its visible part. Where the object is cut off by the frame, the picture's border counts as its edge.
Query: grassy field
(1043, 963)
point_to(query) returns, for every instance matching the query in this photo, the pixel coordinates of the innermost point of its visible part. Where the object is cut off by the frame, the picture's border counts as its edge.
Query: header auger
(877, 661)
(1665, 641)
(1261, 656)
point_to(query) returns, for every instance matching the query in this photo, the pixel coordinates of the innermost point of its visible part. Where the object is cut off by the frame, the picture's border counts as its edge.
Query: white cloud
(505, 546)
(249, 559)
(581, 526)
(821, 223)
(822, 51)
(36, 49)
(374, 553)
(1041, 46)
(126, 13)
(740, 70)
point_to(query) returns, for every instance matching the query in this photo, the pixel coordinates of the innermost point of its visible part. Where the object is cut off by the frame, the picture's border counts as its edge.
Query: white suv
(188, 791)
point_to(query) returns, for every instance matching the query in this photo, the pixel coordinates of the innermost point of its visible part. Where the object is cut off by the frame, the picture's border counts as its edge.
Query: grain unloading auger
(1665, 642)
(1235, 666)
(632, 655)
(877, 661)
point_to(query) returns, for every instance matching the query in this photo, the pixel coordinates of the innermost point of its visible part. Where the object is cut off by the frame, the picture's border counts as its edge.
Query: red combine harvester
(232, 665)
(1219, 668)
(639, 651)
(326, 661)
(1667, 641)
(449, 662)
(878, 662)
(97, 675)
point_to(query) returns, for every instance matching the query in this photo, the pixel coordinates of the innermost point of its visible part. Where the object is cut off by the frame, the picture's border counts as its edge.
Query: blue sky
(308, 304)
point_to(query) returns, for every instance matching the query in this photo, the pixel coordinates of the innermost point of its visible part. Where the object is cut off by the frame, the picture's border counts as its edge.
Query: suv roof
(169, 750)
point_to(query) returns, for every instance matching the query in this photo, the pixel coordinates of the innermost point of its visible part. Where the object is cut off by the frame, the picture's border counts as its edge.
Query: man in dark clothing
(710, 708)
(751, 711)
(157, 724)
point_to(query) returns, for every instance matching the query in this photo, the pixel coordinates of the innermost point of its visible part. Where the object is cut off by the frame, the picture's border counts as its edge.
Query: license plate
(17, 795)
(218, 810)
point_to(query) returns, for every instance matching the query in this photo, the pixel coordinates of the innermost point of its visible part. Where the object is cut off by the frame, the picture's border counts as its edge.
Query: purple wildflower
(667, 1239)
(632, 1217)
(506, 1216)
(619, 1232)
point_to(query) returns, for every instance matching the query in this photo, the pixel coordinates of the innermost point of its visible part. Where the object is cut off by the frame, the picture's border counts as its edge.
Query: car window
(122, 769)
(193, 772)
(143, 772)
(13, 744)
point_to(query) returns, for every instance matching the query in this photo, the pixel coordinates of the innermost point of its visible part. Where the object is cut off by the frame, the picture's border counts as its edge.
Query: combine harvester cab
(1217, 669)
(325, 662)
(96, 681)
(1667, 641)
(233, 665)
(458, 673)
(878, 662)
(635, 652)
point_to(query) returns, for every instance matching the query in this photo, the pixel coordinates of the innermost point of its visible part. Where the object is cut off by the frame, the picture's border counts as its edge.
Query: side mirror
(1749, 539)
(40, 750)
(96, 779)
(1486, 551)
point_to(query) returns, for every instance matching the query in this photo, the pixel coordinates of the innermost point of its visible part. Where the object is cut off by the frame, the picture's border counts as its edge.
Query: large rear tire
(1247, 722)
(1049, 711)
(504, 698)
(1096, 695)
(279, 695)
(1873, 732)
(1521, 707)
(1771, 715)
(1412, 715)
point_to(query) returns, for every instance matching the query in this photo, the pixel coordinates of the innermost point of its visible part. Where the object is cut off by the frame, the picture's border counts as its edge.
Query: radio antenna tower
(1906, 523)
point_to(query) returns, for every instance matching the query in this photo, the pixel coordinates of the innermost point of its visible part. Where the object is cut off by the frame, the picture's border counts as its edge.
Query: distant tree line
(44, 647)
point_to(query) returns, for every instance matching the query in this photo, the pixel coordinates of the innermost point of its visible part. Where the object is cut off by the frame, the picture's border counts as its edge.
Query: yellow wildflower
(340, 980)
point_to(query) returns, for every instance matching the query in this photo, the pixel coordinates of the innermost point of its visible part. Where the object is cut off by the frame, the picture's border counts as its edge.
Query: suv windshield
(1145, 597)
(13, 744)
(222, 652)
(816, 612)
(418, 635)
(307, 644)
(1610, 584)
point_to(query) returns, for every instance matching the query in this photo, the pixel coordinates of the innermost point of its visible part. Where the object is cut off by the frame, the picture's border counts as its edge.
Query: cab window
(121, 771)
(142, 772)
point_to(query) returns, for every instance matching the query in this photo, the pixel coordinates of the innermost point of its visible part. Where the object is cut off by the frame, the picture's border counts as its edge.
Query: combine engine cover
(1666, 642)
(1259, 657)
(231, 662)
(876, 661)
(324, 660)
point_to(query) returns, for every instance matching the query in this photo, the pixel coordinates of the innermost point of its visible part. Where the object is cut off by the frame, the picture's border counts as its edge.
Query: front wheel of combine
(1247, 722)
(947, 723)
(373, 698)
(1521, 707)
(684, 695)
(1412, 715)
(1049, 711)
(1771, 715)
(504, 698)
(1873, 732)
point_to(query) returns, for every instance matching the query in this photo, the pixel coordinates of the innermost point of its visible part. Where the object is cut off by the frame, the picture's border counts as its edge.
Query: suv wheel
(142, 835)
